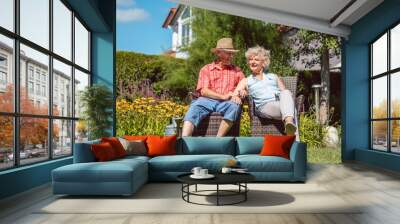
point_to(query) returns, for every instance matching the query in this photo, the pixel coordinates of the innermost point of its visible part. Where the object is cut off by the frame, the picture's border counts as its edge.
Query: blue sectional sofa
(125, 176)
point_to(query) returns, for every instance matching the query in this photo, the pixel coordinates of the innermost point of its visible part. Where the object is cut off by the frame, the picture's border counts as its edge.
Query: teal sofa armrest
(83, 152)
(298, 155)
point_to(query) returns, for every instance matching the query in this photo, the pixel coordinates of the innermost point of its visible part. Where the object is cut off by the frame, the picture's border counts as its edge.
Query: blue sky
(139, 26)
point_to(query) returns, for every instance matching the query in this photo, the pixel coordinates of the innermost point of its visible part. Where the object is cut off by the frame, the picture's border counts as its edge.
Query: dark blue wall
(355, 97)
(99, 16)
(24, 178)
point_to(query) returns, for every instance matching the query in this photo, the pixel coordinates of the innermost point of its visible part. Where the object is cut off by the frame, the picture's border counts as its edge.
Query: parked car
(25, 154)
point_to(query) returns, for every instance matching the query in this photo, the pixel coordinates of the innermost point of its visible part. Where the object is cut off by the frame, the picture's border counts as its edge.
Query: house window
(43, 77)
(3, 71)
(44, 91)
(186, 13)
(3, 78)
(3, 61)
(30, 87)
(38, 89)
(30, 73)
(37, 74)
(385, 96)
(185, 33)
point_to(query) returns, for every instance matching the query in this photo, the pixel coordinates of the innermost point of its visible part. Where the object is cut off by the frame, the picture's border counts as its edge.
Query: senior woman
(272, 99)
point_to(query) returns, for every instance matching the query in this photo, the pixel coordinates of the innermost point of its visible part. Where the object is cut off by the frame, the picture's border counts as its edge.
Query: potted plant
(97, 102)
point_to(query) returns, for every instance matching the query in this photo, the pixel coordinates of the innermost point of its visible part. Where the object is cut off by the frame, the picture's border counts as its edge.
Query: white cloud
(130, 15)
(125, 3)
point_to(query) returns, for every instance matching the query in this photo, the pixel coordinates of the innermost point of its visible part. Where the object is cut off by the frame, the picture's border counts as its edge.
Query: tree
(324, 47)
(208, 27)
(33, 130)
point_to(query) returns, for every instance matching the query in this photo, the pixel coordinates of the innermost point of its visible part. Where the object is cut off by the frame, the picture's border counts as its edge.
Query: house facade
(179, 21)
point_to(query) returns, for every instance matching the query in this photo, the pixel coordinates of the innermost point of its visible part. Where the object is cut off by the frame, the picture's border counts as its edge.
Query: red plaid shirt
(221, 80)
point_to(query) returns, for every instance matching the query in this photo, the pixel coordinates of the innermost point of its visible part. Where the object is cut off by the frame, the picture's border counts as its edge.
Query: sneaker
(290, 129)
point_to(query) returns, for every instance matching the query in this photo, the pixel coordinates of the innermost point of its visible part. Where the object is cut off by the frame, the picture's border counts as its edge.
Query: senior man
(216, 84)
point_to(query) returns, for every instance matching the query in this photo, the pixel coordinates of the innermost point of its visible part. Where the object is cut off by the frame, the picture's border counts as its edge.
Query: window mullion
(16, 84)
(389, 106)
(73, 82)
(50, 81)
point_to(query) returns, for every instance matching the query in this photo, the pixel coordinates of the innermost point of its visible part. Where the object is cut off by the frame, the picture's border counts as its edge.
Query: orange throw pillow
(135, 138)
(103, 152)
(277, 145)
(116, 145)
(161, 145)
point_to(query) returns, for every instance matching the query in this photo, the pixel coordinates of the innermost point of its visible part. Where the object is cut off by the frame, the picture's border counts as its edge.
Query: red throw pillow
(116, 145)
(135, 138)
(277, 145)
(161, 145)
(103, 151)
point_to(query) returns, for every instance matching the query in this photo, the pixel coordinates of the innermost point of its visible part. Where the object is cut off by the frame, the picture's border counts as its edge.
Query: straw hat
(224, 44)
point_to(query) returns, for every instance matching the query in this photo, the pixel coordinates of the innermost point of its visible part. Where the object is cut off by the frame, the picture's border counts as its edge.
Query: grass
(324, 155)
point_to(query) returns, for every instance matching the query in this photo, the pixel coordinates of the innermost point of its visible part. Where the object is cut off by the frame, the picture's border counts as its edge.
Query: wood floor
(378, 189)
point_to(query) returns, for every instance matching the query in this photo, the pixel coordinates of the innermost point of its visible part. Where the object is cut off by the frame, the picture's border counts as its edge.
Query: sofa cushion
(116, 145)
(208, 145)
(112, 171)
(134, 147)
(83, 152)
(257, 163)
(277, 145)
(161, 145)
(249, 145)
(185, 163)
(103, 151)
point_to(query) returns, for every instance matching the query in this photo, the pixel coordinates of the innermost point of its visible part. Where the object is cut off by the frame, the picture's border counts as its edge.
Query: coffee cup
(226, 170)
(196, 171)
(203, 172)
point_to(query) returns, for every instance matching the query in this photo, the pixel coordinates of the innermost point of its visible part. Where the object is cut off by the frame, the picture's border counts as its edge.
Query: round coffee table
(238, 179)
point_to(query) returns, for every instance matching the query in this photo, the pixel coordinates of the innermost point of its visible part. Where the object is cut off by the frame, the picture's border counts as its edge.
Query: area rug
(166, 198)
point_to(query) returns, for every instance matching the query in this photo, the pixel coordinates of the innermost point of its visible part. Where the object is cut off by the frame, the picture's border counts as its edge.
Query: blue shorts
(204, 106)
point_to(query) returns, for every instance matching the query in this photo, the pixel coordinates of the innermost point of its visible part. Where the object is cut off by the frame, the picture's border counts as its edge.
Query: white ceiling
(316, 15)
(324, 9)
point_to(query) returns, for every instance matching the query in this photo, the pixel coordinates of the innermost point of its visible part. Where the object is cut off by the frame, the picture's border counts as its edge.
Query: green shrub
(311, 132)
(159, 71)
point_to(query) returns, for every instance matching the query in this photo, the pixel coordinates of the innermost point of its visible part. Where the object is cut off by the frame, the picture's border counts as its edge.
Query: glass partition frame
(50, 117)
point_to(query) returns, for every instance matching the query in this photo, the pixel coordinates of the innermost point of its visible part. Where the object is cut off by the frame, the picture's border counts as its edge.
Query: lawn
(324, 155)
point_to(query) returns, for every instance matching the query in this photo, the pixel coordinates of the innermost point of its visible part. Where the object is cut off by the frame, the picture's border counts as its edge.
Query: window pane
(379, 97)
(62, 138)
(81, 81)
(62, 89)
(6, 74)
(395, 95)
(7, 14)
(379, 135)
(33, 139)
(35, 21)
(81, 45)
(81, 131)
(34, 76)
(6, 142)
(395, 138)
(62, 29)
(395, 47)
(379, 55)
